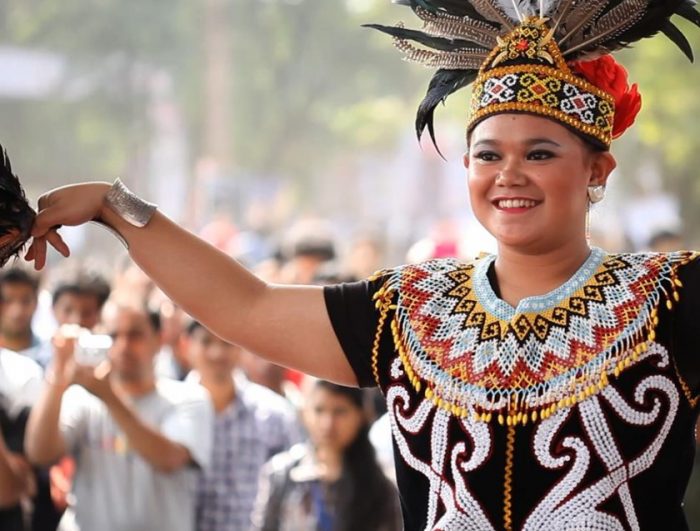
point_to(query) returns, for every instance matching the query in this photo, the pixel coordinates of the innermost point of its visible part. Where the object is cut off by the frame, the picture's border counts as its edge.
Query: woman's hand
(71, 205)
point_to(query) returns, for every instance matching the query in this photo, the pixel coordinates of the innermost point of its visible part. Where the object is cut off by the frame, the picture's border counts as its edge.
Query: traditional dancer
(550, 387)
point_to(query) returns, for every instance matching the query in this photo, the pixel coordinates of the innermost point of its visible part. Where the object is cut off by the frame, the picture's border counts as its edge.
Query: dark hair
(142, 308)
(84, 283)
(662, 235)
(363, 489)
(153, 318)
(193, 326)
(18, 275)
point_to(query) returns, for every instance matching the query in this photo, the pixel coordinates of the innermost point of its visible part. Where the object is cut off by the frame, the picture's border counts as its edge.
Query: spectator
(332, 483)
(269, 375)
(308, 248)
(19, 296)
(79, 300)
(139, 442)
(172, 360)
(251, 425)
(20, 384)
(666, 241)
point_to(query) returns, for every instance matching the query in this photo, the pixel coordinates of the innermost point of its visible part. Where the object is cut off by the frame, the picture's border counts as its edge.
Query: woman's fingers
(37, 250)
(54, 238)
(39, 254)
(29, 255)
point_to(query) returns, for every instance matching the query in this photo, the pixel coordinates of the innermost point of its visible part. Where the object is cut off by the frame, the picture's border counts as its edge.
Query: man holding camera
(138, 442)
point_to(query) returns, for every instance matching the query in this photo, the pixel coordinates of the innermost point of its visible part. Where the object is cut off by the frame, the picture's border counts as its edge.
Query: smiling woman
(550, 387)
(528, 180)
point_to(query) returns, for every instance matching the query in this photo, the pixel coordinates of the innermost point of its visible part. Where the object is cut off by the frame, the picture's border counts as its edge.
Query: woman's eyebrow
(529, 142)
(533, 141)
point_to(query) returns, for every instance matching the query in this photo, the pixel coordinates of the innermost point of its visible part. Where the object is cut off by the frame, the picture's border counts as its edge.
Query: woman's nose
(510, 175)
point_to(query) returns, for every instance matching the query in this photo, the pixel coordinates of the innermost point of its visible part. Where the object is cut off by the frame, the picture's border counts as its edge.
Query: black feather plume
(680, 40)
(584, 29)
(16, 216)
(437, 43)
(442, 84)
(458, 8)
(653, 20)
(687, 11)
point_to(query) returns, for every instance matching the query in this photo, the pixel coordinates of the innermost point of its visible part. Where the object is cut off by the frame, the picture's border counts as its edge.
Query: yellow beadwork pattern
(471, 362)
(508, 480)
(542, 83)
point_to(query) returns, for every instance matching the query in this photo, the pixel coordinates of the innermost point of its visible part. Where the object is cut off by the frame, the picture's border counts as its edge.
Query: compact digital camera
(92, 349)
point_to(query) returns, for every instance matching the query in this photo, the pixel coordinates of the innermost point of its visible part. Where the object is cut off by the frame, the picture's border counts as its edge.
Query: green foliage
(299, 72)
(667, 128)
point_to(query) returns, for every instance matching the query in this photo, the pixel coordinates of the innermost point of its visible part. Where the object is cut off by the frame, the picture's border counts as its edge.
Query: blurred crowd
(168, 427)
(173, 428)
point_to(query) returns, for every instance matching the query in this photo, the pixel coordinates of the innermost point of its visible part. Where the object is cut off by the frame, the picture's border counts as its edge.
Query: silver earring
(596, 193)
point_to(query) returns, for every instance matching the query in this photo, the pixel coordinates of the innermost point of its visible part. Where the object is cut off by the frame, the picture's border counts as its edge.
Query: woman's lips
(515, 204)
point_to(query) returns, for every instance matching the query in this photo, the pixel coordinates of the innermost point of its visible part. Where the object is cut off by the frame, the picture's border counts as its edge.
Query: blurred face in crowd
(261, 371)
(77, 308)
(18, 302)
(135, 343)
(213, 358)
(528, 180)
(332, 420)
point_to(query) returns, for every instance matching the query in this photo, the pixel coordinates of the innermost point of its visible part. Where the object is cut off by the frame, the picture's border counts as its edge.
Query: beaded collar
(475, 355)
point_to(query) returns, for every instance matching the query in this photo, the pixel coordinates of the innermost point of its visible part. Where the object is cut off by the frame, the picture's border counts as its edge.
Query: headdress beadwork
(544, 57)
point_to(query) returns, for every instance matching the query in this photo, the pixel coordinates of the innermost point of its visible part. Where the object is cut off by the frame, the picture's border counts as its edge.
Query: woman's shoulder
(424, 272)
(281, 465)
(674, 264)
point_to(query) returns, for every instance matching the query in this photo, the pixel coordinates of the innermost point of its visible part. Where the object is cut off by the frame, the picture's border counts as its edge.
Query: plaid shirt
(255, 426)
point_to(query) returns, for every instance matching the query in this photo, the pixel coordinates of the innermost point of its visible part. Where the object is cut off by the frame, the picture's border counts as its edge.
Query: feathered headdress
(549, 57)
(16, 216)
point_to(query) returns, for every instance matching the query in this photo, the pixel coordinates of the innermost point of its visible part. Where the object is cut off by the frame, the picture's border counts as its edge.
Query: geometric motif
(473, 355)
(574, 501)
(527, 73)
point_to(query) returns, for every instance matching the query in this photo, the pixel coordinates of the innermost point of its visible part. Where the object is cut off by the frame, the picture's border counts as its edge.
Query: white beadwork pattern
(571, 505)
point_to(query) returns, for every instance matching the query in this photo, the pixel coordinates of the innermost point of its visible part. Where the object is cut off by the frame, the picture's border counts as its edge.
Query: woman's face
(332, 420)
(528, 180)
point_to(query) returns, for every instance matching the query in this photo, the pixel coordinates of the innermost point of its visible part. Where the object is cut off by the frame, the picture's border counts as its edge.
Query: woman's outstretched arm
(288, 325)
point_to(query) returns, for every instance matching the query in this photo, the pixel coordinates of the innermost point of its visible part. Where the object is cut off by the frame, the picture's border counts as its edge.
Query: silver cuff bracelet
(130, 207)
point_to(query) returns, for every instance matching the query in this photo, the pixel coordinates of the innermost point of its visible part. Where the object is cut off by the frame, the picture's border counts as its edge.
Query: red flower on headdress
(611, 77)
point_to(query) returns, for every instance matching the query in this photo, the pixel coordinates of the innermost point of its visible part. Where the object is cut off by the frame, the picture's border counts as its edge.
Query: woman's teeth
(516, 203)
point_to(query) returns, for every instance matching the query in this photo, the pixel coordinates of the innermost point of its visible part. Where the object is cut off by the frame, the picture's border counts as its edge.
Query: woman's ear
(602, 166)
(465, 159)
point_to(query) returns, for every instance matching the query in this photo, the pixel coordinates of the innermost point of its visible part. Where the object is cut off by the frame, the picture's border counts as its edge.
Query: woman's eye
(486, 156)
(540, 155)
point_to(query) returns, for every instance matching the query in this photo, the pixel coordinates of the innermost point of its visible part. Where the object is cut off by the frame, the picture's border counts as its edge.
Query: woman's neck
(521, 275)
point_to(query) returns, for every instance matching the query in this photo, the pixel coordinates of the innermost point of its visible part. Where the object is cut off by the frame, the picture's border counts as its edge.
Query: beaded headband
(546, 57)
(526, 72)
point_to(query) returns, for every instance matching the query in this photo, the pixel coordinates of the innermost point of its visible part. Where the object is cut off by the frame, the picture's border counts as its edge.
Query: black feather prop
(16, 216)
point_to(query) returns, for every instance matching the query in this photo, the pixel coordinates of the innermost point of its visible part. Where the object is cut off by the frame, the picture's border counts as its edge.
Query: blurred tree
(668, 126)
(296, 66)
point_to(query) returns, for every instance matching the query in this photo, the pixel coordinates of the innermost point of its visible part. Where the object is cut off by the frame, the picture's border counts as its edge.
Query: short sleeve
(75, 410)
(355, 319)
(191, 424)
(20, 382)
(687, 317)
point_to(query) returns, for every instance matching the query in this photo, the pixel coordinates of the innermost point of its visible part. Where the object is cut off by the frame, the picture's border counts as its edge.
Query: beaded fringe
(519, 406)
